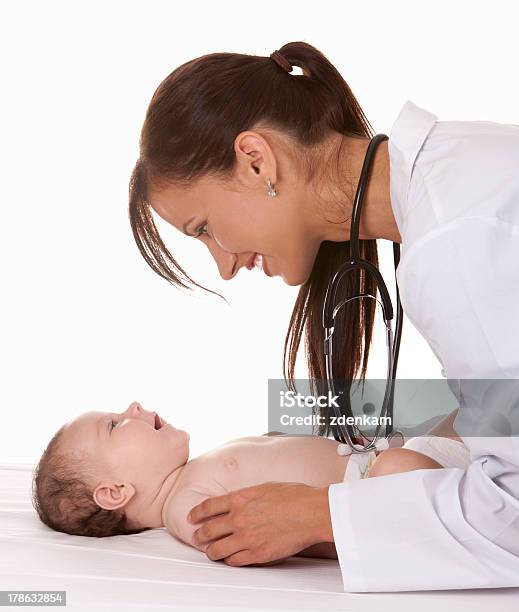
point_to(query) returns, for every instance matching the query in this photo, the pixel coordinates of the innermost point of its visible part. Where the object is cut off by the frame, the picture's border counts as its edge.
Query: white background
(85, 324)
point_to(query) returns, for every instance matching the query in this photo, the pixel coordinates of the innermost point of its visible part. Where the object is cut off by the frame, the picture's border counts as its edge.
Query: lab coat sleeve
(448, 528)
(414, 530)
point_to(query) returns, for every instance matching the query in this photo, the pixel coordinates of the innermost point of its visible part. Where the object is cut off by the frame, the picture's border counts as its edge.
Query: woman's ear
(255, 158)
(111, 496)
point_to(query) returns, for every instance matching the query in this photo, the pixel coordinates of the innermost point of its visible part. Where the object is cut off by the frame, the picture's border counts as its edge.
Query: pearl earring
(270, 189)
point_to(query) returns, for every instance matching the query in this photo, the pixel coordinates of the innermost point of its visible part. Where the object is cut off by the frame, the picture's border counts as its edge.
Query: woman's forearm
(326, 548)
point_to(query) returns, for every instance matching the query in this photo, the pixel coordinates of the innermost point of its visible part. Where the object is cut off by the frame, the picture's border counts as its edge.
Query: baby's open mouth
(158, 422)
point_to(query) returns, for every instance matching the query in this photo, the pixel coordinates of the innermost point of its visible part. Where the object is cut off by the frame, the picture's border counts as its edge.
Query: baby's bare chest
(252, 461)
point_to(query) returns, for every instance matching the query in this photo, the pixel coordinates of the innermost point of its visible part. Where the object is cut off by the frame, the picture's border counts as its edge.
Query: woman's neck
(377, 219)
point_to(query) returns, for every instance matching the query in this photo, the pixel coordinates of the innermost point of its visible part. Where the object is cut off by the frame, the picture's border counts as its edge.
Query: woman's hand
(264, 523)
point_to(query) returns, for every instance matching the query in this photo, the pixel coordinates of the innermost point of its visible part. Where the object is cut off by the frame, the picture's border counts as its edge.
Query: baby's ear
(111, 496)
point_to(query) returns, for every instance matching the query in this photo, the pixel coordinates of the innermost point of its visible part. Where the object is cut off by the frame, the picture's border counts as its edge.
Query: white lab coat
(455, 196)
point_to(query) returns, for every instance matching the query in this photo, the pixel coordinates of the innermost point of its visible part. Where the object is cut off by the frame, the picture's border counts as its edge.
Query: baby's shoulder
(179, 506)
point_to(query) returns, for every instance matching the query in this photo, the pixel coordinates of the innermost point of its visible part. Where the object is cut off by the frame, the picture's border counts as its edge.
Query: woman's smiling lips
(259, 261)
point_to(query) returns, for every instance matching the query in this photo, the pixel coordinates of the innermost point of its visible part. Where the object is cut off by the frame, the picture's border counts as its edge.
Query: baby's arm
(176, 515)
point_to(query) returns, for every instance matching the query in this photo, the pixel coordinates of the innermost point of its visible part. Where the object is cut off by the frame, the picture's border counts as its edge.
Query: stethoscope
(345, 430)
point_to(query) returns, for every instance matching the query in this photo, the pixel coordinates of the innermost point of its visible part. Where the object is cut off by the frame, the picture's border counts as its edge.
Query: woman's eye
(201, 230)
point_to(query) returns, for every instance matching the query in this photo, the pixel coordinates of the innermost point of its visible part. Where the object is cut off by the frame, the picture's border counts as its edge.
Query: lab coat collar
(406, 138)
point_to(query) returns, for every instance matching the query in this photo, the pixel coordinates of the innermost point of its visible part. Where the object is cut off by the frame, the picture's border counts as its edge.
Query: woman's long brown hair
(189, 131)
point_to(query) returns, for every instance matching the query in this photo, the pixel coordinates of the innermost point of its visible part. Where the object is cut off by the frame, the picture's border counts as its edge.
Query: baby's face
(135, 445)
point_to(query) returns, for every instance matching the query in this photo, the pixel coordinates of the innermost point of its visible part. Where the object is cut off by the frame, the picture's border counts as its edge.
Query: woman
(262, 165)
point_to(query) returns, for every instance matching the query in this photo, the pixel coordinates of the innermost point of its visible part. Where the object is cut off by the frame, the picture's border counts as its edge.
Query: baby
(106, 474)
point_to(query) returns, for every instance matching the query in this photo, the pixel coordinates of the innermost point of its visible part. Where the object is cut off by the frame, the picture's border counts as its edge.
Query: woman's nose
(226, 262)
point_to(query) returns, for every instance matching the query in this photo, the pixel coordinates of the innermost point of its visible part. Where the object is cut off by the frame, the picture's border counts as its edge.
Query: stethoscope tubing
(346, 433)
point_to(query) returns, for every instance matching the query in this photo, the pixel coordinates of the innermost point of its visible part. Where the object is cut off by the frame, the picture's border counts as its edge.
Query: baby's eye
(114, 423)
(201, 230)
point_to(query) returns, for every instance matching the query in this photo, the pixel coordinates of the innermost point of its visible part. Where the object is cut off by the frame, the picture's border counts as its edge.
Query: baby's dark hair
(62, 495)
